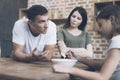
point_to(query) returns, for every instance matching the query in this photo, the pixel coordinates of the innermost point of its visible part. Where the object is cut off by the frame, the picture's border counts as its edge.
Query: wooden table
(14, 70)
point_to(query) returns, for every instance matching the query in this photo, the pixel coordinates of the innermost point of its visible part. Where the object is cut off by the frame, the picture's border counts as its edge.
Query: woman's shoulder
(85, 33)
(62, 30)
(21, 25)
(115, 42)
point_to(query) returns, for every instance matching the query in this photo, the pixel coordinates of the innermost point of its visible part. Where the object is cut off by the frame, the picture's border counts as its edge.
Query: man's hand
(40, 55)
(35, 52)
(43, 55)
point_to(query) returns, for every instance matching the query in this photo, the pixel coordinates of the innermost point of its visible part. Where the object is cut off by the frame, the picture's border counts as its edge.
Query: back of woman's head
(111, 11)
(35, 10)
(83, 13)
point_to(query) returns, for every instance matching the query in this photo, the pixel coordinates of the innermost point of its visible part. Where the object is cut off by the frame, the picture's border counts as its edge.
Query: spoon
(64, 56)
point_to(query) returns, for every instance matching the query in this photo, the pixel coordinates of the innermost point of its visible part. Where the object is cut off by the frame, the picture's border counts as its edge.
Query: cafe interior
(12, 10)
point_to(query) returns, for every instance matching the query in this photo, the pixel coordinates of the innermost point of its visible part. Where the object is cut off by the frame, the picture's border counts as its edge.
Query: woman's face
(105, 28)
(75, 19)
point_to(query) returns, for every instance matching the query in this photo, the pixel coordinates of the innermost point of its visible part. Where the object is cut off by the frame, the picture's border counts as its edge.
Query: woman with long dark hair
(73, 37)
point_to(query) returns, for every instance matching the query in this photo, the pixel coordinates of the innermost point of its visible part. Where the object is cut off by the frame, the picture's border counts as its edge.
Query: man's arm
(18, 53)
(49, 48)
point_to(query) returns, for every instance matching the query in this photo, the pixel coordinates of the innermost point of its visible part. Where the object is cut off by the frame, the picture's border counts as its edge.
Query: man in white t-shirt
(34, 38)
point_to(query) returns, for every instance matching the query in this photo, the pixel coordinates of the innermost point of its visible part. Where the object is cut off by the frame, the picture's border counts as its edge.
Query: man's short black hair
(35, 10)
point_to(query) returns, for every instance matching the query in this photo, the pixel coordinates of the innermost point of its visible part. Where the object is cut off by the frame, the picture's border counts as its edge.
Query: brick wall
(64, 7)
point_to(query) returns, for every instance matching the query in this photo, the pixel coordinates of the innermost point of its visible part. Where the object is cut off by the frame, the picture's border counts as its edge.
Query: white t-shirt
(114, 43)
(23, 36)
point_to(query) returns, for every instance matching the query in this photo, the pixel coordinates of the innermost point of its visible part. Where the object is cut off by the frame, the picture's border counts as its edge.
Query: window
(99, 6)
